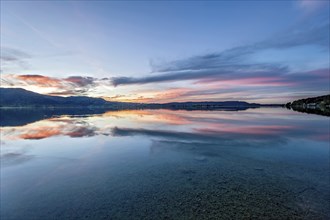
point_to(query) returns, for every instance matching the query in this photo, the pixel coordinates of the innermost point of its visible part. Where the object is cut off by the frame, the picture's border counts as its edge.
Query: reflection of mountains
(212, 130)
(23, 116)
(19, 106)
(199, 142)
(204, 134)
(75, 127)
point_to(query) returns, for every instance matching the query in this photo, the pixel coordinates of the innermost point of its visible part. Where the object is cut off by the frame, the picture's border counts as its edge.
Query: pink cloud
(254, 129)
(39, 80)
(252, 81)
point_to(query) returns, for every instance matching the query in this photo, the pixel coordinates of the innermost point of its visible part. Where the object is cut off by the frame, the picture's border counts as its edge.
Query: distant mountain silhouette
(10, 97)
(17, 97)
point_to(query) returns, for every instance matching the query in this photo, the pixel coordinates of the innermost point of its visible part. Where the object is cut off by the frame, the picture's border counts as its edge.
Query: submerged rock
(200, 158)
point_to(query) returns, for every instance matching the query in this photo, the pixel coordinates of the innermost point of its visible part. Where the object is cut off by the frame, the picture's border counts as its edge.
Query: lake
(263, 163)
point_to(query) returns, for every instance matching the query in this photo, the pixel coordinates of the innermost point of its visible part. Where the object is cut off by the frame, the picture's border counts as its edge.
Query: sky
(142, 51)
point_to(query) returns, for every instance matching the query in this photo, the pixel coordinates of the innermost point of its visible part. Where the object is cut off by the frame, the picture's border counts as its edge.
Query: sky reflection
(215, 125)
(127, 160)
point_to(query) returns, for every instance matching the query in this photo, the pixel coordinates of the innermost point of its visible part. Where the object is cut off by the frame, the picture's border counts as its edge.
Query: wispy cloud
(311, 6)
(212, 87)
(235, 63)
(228, 72)
(235, 73)
(37, 31)
(42, 81)
(311, 32)
(11, 57)
(11, 54)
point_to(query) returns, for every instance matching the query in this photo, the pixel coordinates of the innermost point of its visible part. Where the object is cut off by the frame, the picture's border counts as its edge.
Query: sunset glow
(164, 109)
(115, 54)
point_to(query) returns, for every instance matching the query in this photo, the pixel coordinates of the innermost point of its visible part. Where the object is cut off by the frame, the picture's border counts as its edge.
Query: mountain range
(18, 97)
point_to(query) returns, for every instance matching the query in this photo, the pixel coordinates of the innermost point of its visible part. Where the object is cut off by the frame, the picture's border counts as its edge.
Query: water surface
(267, 163)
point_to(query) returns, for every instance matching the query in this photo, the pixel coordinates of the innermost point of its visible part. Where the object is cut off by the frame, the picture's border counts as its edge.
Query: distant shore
(316, 105)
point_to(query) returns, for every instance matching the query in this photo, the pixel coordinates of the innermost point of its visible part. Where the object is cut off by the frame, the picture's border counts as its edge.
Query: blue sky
(263, 51)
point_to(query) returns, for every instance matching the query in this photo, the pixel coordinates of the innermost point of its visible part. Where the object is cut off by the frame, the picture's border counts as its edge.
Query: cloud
(13, 59)
(235, 63)
(116, 97)
(56, 127)
(242, 85)
(37, 31)
(202, 127)
(42, 81)
(46, 81)
(298, 35)
(228, 72)
(64, 93)
(15, 158)
(254, 88)
(10, 54)
(10, 57)
(81, 81)
(73, 85)
(311, 6)
(233, 73)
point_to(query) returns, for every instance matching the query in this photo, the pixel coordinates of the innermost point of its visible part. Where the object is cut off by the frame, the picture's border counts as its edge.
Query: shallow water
(267, 163)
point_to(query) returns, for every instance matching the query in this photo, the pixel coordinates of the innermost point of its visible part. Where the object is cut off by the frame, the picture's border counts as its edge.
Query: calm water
(268, 163)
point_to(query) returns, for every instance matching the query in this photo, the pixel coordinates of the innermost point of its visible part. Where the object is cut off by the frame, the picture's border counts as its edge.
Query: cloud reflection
(199, 126)
(64, 126)
(14, 158)
(201, 133)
